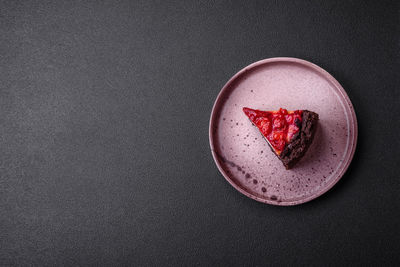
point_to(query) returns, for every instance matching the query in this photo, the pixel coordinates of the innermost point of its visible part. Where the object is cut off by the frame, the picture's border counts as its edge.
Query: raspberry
(289, 118)
(278, 123)
(283, 111)
(265, 125)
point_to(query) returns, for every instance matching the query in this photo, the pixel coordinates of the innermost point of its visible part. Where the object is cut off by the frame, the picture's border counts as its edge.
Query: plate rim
(326, 75)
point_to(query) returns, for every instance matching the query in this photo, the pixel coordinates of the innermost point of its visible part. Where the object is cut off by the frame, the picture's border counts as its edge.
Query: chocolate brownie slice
(288, 133)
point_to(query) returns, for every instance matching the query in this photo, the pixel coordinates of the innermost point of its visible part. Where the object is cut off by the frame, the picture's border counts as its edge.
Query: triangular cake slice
(289, 133)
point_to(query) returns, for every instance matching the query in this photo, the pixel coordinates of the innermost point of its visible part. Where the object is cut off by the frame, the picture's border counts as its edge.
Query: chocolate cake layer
(299, 145)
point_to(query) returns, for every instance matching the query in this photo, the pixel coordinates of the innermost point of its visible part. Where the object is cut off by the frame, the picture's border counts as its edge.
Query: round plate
(244, 157)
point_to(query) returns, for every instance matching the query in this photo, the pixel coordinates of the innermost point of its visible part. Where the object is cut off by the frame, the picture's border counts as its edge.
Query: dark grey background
(104, 111)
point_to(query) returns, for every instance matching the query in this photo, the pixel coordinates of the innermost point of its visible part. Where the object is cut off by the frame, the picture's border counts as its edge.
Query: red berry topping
(278, 127)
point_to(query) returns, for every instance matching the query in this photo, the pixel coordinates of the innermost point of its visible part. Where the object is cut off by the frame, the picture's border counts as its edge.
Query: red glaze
(278, 127)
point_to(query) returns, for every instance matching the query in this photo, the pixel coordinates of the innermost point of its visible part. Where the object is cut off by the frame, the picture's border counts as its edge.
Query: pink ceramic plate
(243, 156)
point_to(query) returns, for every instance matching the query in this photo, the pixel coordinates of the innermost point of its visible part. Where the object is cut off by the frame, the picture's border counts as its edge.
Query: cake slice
(289, 133)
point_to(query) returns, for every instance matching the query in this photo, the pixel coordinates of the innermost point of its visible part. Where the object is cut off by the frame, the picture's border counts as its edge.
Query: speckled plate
(243, 156)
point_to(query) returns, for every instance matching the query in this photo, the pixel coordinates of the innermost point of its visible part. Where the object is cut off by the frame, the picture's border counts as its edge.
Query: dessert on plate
(288, 133)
